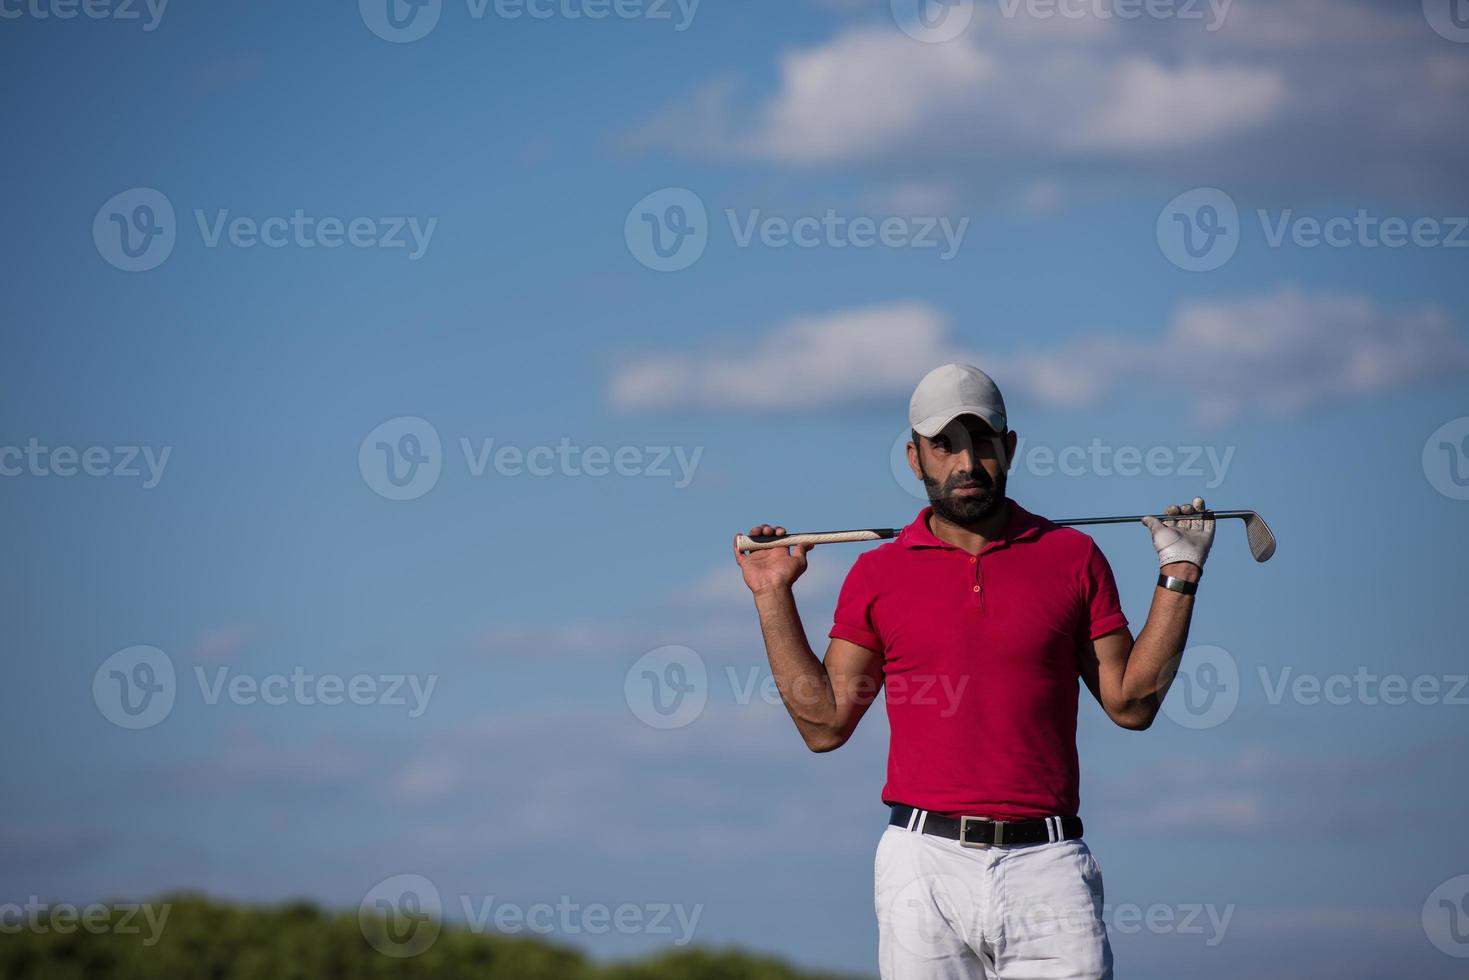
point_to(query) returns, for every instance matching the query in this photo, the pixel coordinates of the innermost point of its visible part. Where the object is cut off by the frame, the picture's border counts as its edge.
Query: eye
(941, 444)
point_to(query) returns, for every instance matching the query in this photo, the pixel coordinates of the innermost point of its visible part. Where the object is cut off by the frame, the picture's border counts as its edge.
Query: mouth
(970, 491)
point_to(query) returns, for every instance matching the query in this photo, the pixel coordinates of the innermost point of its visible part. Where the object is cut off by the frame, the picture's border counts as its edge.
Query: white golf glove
(1182, 540)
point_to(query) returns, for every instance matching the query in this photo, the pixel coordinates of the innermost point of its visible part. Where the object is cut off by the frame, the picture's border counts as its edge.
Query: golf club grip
(760, 542)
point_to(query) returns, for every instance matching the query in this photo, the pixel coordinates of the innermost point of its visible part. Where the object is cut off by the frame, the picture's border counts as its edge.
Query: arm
(826, 699)
(1130, 678)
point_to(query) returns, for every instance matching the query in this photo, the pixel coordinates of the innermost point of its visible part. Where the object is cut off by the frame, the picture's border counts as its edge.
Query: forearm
(1159, 644)
(800, 676)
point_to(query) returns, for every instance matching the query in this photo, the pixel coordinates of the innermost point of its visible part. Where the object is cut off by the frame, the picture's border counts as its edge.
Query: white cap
(952, 390)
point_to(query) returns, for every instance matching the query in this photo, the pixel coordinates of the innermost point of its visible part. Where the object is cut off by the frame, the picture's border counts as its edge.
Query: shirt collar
(1021, 526)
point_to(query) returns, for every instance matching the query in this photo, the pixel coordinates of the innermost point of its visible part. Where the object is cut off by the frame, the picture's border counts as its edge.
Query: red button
(976, 588)
(973, 560)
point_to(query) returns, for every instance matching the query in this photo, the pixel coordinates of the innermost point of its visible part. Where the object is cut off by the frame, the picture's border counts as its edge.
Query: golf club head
(1261, 538)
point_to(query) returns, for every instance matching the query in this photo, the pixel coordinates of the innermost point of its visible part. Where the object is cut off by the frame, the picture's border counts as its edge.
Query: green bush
(209, 940)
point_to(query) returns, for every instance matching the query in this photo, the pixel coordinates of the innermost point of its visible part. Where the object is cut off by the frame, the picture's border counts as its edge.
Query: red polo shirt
(979, 662)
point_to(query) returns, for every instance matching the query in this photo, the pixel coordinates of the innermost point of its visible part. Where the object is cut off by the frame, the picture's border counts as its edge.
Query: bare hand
(771, 568)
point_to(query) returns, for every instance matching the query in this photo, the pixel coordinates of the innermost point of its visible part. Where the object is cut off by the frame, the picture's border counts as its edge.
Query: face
(964, 469)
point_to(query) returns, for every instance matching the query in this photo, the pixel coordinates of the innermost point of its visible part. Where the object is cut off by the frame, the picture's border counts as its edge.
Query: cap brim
(934, 424)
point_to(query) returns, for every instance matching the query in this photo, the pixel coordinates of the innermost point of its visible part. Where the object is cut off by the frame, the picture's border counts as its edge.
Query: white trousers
(946, 912)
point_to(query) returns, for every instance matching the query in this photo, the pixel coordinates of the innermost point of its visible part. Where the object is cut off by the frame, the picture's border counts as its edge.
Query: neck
(973, 536)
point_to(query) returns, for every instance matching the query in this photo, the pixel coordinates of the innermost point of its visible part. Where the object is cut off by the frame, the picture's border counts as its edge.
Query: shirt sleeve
(1102, 609)
(852, 620)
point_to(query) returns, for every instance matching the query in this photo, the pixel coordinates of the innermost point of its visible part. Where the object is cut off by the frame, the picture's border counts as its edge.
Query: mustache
(964, 481)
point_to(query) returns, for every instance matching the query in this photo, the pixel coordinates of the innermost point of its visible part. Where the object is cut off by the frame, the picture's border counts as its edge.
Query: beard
(966, 509)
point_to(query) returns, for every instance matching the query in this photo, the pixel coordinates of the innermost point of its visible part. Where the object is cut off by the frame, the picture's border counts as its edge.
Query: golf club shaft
(1206, 515)
(763, 541)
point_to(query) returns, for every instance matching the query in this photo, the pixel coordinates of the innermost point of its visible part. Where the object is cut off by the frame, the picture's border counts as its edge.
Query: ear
(1011, 441)
(915, 463)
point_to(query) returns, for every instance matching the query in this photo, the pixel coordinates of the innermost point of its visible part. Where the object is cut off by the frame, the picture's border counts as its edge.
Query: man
(982, 871)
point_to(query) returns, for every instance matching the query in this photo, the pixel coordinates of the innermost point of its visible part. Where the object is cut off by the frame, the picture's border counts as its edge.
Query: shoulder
(1067, 544)
(875, 563)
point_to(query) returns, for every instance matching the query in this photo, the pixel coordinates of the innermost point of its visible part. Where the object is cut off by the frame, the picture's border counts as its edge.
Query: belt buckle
(981, 845)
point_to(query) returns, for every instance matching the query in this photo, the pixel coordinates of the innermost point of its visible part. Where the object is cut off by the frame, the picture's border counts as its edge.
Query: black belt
(984, 832)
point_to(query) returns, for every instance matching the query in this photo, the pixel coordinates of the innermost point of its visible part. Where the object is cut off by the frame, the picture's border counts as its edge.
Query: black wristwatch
(1177, 584)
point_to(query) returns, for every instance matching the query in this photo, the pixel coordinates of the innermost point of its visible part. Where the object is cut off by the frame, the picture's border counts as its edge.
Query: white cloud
(832, 104)
(808, 362)
(1358, 94)
(1274, 354)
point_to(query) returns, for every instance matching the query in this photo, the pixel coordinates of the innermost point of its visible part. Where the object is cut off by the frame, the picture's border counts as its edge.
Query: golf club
(1257, 532)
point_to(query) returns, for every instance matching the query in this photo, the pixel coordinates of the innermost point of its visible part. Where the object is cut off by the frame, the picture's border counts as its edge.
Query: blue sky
(1330, 377)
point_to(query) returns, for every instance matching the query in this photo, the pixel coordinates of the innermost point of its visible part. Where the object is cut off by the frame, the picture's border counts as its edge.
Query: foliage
(203, 939)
